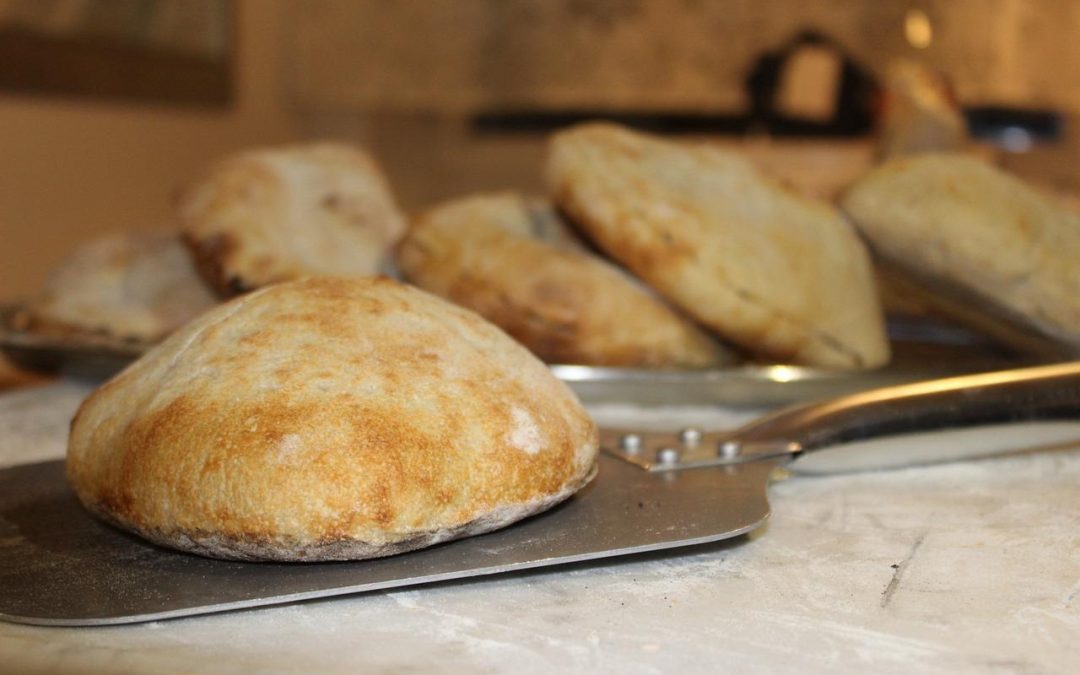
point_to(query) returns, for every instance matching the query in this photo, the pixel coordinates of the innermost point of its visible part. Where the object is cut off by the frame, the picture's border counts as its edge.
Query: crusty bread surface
(781, 275)
(139, 286)
(278, 214)
(517, 265)
(954, 220)
(329, 419)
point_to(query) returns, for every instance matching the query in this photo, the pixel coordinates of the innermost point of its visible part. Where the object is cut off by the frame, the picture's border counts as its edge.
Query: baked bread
(137, 286)
(990, 245)
(329, 419)
(278, 214)
(781, 275)
(919, 111)
(519, 266)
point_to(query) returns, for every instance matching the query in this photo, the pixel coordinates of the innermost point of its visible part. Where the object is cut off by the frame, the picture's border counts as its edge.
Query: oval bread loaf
(960, 225)
(520, 267)
(279, 214)
(329, 419)
(138, 286)
(780, 275)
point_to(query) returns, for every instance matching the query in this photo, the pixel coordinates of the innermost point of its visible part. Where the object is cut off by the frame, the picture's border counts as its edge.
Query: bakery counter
(967, 567)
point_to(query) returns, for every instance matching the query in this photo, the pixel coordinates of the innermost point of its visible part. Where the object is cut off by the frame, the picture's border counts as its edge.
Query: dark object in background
(1014, 129)
(657, 122)
(853, 105)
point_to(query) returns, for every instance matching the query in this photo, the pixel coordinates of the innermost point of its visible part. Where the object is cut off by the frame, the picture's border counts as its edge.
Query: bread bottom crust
(262, 549)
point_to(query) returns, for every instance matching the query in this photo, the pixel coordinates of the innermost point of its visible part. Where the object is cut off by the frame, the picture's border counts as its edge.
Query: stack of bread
(257, 218)
(329, 412)
(764, 271)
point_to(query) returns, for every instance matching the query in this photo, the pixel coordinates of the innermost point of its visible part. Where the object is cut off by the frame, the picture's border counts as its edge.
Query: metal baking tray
(80, 354)
(922, 349)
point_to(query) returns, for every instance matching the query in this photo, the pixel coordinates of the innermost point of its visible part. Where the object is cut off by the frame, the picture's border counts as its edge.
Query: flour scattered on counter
(815, 577)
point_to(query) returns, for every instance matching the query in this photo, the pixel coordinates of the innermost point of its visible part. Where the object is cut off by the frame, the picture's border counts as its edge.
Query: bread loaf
(780, 275)
(278, 214)
(329, 419)
(522, 269)
(961, 227)
(138, 286)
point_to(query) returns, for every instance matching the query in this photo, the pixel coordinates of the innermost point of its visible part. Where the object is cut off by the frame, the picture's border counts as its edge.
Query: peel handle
(934, 421)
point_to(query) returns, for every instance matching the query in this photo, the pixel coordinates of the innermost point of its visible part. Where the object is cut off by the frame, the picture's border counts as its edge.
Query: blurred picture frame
(171, 52)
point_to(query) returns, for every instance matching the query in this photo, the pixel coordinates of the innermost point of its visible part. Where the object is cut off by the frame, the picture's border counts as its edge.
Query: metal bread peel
(59, 566)
(892, 427)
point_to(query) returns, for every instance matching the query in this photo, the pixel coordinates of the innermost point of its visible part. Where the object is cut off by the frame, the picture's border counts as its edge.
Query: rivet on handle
(729, 449)
(690, 436)
(630, 444)
(668, 456)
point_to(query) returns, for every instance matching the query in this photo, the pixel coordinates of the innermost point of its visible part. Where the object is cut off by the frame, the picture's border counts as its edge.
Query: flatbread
(961, 226)
(780, 275)
(521, 268)
(329, 419)
(138, 286)
(278, 214)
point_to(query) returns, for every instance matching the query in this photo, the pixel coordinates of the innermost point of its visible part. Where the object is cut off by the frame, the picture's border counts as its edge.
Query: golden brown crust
(519, 268)
(278, 214)
(208, 256)
(781, 275)
(329, 419)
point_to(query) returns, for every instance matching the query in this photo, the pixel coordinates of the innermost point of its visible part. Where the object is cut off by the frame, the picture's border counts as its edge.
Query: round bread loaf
(781, 275)
(284, 213)
(329, 419)
(522, 269)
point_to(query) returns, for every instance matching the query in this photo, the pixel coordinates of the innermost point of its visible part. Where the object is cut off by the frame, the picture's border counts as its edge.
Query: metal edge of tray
(99, 357)
(741, 387)
(89, 355)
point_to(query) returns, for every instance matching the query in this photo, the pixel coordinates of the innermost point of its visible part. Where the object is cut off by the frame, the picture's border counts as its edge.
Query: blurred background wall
(662, 53)
(70, 168)
(409, 79)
